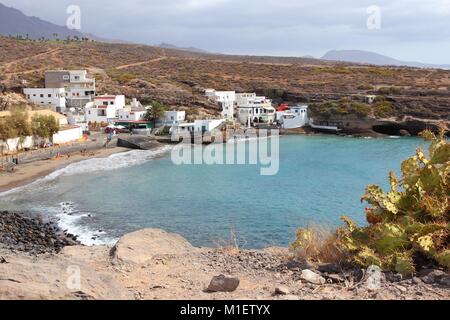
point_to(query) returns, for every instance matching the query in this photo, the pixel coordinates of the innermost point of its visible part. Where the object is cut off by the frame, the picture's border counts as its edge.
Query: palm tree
(155, 112)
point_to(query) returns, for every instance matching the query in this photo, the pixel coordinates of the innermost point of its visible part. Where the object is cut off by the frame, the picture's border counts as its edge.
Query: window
(66, 77)
(49, 95)
(41, 95)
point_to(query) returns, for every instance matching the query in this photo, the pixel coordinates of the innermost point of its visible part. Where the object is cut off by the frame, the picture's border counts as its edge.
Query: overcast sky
(417, 30)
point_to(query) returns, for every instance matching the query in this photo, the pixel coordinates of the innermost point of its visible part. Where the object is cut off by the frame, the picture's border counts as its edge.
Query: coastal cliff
(155, 264)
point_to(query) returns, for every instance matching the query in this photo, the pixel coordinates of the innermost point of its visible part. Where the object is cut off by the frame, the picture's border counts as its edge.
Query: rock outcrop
(142, 246)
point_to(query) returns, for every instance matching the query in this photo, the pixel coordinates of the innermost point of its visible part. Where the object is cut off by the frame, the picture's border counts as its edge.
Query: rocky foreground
(154, 264)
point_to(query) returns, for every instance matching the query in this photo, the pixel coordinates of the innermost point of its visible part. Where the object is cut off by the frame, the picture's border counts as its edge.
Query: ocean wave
(70, 219)
(113, 162)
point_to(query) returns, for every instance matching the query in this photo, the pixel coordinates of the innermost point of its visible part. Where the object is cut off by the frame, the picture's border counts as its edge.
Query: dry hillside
(177, 77)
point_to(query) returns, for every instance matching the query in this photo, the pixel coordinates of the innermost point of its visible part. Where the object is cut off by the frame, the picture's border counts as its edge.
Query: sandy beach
(26, 173)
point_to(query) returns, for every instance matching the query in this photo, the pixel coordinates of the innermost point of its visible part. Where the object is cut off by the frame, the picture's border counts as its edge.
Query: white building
(174, 117)
(370, 99)
(243, 99)
(74, 117)
(135, 111)
(295, 117)
(104, 109)
(49, 97)
(132, 114)
(256, 110)
(68, 134)
(199, 126)
(79, 88)
(226, 99)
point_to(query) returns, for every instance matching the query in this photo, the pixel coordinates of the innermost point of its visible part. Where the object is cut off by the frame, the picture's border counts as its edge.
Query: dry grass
(232, 245)
(317, 244)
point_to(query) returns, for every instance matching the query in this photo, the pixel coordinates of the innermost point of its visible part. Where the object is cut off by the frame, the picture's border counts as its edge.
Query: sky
(409, 30)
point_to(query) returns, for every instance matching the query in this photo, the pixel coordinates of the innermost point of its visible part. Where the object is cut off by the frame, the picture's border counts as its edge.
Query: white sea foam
(113, 162)
(70, 219)
(66, 213)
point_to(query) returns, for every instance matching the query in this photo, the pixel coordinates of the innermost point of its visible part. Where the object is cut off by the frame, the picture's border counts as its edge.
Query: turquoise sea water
(320, 179)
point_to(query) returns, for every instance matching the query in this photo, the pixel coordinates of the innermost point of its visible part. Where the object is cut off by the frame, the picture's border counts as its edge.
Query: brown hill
(177, 77)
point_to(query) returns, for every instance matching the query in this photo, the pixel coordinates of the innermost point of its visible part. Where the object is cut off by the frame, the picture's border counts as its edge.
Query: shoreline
(30, 172)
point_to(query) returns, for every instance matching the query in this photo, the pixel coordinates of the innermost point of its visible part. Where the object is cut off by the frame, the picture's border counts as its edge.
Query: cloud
(410, 29)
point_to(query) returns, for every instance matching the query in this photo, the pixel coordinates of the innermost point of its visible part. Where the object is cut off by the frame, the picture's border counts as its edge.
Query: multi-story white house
(226, 99)
(104, 109)
(49, 97)
(174, 117)
(79, 89)
(242, 99)
(256, 110)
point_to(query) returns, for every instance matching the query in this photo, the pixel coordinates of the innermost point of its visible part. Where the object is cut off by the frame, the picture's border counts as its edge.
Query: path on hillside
(9, 66)
(12, 63)
(140, 63)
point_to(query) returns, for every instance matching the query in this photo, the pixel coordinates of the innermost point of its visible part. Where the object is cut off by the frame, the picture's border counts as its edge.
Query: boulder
(142, 246)
(281, 290)
(223, 283)
(329, 268)
(312, 277)
(374, 278)
(432, 276)
(404, 133)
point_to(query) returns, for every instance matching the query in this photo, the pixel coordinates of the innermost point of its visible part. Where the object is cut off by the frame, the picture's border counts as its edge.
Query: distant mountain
(14, 23)
(359, 56)
(190, 49)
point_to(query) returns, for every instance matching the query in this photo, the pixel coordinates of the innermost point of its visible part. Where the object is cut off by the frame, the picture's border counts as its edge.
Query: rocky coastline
(39, 261)
(32, 235)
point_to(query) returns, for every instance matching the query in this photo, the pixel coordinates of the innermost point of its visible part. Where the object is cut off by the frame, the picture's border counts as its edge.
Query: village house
(79, 89)
(292, 117)
(242, 99)
(132, 112)
(226, 99)
(174, 117)
(256, 110)
(48, 97)
(104, 109)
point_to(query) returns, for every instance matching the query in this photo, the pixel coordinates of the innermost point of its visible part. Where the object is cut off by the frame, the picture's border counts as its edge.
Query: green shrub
(383, 108)
(360, 109)
(123, 78)
(389, 90)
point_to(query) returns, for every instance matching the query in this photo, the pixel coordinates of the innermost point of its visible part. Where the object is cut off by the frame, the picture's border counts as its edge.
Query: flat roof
(131, 121)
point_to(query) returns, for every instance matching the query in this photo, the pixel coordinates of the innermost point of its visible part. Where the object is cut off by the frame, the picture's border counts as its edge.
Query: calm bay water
(320, 179)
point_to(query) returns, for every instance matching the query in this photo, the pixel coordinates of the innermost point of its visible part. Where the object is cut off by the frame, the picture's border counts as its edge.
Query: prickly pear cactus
(411, 219)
